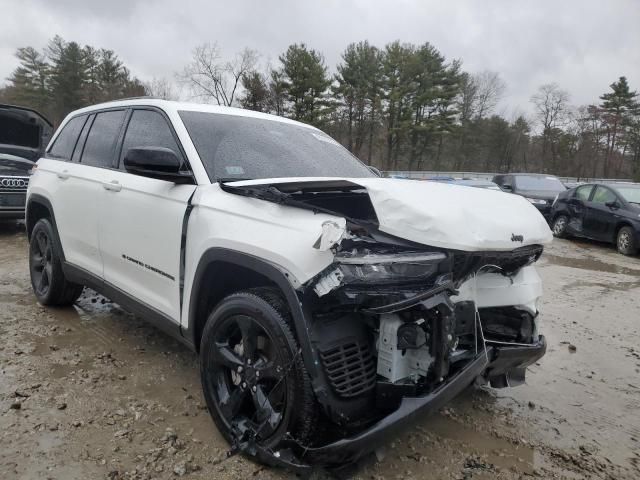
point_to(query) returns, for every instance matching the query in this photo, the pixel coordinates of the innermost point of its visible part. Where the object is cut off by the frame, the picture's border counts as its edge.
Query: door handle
(112, 186)
(63, 175)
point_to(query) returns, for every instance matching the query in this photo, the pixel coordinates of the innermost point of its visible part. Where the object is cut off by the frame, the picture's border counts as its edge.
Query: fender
(267, 270)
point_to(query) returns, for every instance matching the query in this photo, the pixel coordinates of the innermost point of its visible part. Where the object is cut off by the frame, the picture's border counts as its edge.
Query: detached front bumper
(503, 361)
(350, 449)
(509, 364)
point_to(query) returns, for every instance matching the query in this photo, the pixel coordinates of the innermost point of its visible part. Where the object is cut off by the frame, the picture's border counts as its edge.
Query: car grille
(465, 264)
(350, 368)
(13, 184)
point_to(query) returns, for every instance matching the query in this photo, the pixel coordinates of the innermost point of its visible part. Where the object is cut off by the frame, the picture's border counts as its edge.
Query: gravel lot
(93, 392)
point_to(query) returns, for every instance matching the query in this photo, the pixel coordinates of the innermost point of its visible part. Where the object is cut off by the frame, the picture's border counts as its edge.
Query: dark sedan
(605, 212)
(23, 135)
(539, 189)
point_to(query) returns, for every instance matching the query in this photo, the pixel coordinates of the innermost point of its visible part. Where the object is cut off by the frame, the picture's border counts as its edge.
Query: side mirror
(507, 188)
(374, 170)
(613, 205)
(156, 162)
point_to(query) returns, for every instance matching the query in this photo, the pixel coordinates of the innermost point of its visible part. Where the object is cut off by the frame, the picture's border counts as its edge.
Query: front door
(601, 214)
(141, 221)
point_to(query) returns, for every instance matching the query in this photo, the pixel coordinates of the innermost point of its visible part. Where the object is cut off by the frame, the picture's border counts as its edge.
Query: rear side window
(582, 193)
(66, 141)
(148, 128)
(103, 136)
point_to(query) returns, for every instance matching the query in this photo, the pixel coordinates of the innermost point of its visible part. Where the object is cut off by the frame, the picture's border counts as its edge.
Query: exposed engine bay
(392, 322)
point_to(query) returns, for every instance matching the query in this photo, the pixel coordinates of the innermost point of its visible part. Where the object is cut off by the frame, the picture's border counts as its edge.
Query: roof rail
(144, 97)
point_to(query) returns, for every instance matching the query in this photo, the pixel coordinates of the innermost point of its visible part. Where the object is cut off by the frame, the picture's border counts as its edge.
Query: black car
(539, 189)
(605, 212)
(24, 134)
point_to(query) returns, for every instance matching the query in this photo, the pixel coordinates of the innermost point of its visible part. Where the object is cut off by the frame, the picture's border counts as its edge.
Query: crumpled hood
(443, 215)
(455, 216)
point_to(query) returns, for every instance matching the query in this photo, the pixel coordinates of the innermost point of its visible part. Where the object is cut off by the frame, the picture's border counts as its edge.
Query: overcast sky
(581, 45)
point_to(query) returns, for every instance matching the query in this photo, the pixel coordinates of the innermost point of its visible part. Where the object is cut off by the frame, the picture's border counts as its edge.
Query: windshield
(631, 193)
(539, 183)
(237, 147)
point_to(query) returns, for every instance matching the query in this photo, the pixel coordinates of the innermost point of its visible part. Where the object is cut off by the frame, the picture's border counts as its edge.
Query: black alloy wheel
(41, 262)
(253, 377)
(249, 382)
(49, 283)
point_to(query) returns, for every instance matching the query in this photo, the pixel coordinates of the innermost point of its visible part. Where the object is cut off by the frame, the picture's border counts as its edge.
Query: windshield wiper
(232, 179)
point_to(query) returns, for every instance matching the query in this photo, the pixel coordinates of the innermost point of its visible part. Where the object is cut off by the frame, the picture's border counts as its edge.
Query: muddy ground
(93, 392)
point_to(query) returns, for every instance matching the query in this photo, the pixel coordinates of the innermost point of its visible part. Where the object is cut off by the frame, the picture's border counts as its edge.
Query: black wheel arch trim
(36, 198)
(271, 272)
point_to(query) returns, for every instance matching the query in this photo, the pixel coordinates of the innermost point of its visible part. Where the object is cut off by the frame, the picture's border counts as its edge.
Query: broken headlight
(388, 268)
(357, 267)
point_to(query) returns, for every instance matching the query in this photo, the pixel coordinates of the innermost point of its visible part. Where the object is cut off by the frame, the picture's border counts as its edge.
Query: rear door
(74, 185)
(601, 218)
(141, 220)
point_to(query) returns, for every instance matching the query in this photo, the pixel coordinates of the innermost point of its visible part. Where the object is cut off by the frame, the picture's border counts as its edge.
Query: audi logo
(14, 183)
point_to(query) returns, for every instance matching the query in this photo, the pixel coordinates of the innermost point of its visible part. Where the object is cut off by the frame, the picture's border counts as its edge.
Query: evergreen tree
(68, 76)
(305, 82)
(256, 92)
(619, 106)
(358, 92)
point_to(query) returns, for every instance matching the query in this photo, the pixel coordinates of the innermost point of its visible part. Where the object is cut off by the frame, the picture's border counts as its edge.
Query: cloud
(581, 45)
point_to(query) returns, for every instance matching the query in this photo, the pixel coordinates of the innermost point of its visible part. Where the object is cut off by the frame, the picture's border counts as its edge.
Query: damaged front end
(399, 328)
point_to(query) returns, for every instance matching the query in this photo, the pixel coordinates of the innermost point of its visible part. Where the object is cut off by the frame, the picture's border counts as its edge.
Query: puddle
(592, 264)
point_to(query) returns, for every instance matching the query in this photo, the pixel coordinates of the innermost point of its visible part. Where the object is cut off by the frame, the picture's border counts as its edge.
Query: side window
(603, 195)
(148, 128)
(582, 193)
(66, 141)
(103, 136)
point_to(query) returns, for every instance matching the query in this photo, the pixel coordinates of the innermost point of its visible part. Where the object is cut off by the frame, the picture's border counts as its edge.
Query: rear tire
(560, 226)
(253, 376)
(45, 267)
(627, 241)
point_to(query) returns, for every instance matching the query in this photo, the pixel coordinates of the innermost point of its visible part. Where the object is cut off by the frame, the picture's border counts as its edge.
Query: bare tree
(210, 77)
(161, 88)
(552, 108)
(489, 89)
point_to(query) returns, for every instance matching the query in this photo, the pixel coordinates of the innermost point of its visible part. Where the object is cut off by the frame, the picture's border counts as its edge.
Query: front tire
(560, 226)
(253, 376)
(45, 267)
(627, 241)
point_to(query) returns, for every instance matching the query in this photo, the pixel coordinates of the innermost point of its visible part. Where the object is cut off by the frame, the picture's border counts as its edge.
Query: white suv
(328, 306)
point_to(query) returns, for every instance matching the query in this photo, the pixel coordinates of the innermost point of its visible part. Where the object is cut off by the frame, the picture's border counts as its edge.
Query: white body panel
(523, 290)
(455, 216)
(74, 191)
(140, 230)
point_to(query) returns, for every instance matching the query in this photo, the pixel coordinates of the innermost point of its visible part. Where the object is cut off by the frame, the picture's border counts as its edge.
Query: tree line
(397, 107)
(66, 76)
